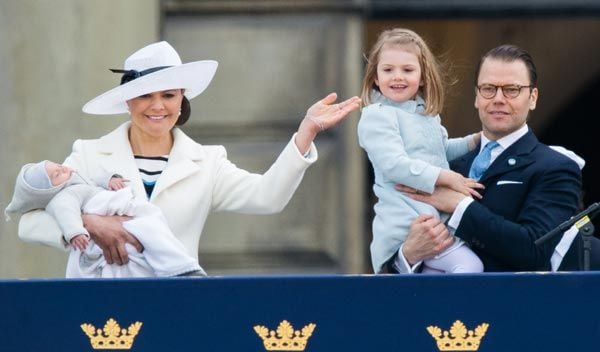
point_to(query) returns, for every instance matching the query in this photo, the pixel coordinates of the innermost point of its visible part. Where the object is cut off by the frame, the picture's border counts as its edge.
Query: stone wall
(54, 57)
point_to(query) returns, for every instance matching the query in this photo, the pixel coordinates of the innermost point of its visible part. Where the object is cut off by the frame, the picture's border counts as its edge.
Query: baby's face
(58, 173)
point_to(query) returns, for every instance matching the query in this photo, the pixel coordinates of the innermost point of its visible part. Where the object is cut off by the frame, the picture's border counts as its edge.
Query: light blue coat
(404, 147)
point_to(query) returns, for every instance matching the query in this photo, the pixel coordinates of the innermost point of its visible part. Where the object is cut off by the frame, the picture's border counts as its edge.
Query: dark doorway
(574, 127)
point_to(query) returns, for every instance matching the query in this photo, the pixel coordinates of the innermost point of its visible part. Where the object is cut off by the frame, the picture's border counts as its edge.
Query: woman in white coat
(186, 180)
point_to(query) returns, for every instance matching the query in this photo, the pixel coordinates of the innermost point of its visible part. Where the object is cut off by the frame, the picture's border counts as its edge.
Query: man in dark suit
(529, 188)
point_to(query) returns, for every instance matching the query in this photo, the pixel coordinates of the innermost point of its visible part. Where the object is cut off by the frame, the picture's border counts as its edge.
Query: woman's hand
(322, 115)
(110, 236)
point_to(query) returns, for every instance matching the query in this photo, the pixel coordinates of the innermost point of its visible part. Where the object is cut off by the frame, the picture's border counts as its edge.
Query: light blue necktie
(482, 161)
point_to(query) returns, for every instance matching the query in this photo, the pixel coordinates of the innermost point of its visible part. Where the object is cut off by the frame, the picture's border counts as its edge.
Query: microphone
(583, 217)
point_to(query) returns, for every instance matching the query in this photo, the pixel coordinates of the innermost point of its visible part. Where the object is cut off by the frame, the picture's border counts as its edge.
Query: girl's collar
(413, 106)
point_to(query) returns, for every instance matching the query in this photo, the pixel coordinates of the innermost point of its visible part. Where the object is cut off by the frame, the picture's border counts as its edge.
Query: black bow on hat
(130, 75)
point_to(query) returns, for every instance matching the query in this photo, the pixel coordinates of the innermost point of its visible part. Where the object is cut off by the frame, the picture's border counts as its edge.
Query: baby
(64, 194)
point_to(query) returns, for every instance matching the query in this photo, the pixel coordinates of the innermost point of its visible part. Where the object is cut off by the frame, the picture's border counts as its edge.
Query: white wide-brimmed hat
(153, 68)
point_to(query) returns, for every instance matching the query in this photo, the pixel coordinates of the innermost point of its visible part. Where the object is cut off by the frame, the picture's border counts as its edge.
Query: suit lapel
(116, 156)
(518, 155)
(182, 162)
(463, 164)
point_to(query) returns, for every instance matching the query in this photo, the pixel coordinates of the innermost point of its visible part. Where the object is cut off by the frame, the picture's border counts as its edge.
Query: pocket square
(507, 182)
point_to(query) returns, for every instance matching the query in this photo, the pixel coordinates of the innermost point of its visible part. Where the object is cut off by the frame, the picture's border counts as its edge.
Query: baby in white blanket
(65, 195)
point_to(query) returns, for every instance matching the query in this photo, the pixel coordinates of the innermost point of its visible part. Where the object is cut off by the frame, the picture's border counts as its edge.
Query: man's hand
(110, 236)
(427, 237)
(443, 198)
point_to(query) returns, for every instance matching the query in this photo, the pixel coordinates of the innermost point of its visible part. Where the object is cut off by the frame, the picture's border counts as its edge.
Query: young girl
(401, 132)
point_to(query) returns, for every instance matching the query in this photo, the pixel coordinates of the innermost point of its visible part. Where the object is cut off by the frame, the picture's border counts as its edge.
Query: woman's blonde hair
(432, 90)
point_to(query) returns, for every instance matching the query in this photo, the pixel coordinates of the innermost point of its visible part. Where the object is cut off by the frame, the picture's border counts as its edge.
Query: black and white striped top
(150, 168)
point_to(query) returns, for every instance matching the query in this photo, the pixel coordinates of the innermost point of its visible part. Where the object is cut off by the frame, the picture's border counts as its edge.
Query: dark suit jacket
(529, 190)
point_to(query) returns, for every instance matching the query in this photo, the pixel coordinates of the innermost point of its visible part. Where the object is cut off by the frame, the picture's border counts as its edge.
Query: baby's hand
(116, 182)
(459, 183)
(80, 242)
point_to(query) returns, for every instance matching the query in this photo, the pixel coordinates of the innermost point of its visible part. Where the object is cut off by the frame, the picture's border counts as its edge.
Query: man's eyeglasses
(510, 91)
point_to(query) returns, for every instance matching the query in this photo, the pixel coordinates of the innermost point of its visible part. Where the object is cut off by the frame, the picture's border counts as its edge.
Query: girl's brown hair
(432, 90)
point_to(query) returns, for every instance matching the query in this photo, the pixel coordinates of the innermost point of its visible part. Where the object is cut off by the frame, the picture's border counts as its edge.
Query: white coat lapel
(182, 162)
(116, 156)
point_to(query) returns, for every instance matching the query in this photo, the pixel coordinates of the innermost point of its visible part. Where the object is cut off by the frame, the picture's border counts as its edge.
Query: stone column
(275, 60)
(54, 57)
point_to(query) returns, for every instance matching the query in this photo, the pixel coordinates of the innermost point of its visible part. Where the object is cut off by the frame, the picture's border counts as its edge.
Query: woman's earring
(179, 113)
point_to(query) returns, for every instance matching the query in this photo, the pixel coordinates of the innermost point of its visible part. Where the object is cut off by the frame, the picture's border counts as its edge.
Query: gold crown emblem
(459, 338)
(285, 338)
(112, 337)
